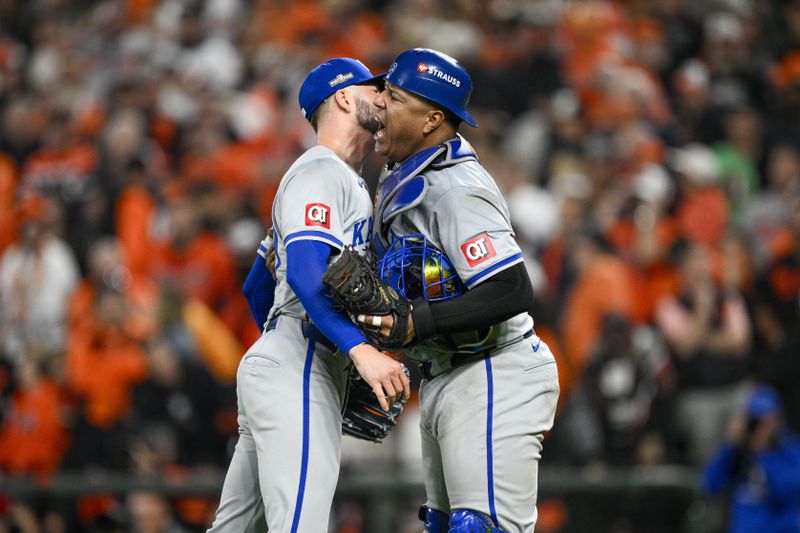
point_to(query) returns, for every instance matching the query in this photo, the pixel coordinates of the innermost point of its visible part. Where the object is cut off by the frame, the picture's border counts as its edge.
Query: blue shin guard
(435, 521)
(467, 521)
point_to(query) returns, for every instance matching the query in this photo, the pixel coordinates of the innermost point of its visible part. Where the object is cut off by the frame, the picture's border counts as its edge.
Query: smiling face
(407, 122)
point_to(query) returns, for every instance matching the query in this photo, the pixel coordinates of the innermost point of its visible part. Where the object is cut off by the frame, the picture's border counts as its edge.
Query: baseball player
(290, 383)
(490, 387)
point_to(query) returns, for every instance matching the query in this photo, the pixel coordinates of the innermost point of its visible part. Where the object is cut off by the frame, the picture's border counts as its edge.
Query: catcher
(443, 232)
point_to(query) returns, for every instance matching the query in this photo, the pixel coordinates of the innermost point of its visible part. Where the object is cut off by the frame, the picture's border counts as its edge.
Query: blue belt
(464, 359)
(310, 331)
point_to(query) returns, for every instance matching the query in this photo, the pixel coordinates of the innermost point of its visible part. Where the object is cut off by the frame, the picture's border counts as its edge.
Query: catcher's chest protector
(405, 187)
(445, 195)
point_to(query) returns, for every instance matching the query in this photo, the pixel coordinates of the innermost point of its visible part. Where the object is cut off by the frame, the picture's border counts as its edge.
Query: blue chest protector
(410, 263)
(406, 186)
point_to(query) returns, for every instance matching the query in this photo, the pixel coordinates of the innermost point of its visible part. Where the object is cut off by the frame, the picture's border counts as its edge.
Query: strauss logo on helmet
(424, 68)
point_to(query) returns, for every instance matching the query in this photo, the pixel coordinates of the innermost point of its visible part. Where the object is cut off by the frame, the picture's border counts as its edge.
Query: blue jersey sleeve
(306, 262)
(259, 289)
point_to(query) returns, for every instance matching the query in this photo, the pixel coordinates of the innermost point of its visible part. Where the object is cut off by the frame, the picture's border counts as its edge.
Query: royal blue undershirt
(306, 262)
(259, 289)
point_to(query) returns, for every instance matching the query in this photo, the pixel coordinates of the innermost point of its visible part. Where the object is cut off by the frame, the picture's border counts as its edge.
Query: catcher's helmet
(414, 268)
(436, 77)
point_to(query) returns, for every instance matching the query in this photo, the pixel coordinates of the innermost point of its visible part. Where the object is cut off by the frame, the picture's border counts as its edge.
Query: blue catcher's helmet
(435, 76)
(414, 268)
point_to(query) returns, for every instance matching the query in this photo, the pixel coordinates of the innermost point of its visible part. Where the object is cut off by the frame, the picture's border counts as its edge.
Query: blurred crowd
(649, 151)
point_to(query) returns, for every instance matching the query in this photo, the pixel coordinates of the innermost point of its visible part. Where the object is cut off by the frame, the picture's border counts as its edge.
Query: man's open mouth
(380, 131)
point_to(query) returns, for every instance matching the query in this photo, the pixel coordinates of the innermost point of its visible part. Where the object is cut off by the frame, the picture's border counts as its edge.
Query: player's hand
(269, 257)
(386, 324)
(384, 374)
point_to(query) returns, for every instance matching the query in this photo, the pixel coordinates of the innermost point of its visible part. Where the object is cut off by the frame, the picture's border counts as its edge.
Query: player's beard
(366, 116)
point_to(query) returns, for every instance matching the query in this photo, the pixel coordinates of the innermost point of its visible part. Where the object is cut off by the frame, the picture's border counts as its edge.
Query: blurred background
(649, 151)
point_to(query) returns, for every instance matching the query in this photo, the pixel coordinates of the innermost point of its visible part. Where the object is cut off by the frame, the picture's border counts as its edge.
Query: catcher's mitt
(363, 416)
(357, 290)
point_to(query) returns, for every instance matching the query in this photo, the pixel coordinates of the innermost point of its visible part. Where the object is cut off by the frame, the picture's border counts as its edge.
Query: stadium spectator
(193, 258)
(104, 362)
(702, 207)
(778, 317)
(135, 216)
(738, 156)
(151, 513)
(708, 332)
(180, 393)
(33, 436)
(37, 276)
(760, 468)
(108, 271)
(602, 286)
(642, 235)
(627, 382)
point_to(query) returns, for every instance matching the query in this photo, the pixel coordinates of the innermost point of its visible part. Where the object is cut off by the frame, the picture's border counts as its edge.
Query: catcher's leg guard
(468, 521)
(435, 521)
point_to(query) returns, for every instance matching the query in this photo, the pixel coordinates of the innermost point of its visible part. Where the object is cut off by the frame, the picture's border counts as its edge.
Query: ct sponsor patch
(478, 249)
(318, 215)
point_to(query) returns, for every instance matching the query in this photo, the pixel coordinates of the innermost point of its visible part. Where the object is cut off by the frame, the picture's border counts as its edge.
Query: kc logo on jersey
(318, 215)
(478, 249)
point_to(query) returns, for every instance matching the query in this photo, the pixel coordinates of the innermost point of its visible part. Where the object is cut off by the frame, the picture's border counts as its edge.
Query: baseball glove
(363, 416)
(357, 290)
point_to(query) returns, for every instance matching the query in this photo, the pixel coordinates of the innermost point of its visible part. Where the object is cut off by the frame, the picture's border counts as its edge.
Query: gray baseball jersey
(501, 404)
(322, 199)
(285, 467)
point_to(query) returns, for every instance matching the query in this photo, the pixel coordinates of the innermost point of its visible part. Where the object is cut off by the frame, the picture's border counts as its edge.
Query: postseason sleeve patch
(318, 215)
(478, 249)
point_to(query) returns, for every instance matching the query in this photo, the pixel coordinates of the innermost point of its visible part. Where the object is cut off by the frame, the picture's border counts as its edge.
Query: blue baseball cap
(329, 77)
(763, 402)
(436, 77)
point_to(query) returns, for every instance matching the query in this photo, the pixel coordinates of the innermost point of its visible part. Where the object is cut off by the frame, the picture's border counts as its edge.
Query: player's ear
(433, 120)
(344, 99)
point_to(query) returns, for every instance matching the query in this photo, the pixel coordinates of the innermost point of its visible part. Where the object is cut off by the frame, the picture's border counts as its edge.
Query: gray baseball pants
(482, 426)
(285, 467)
